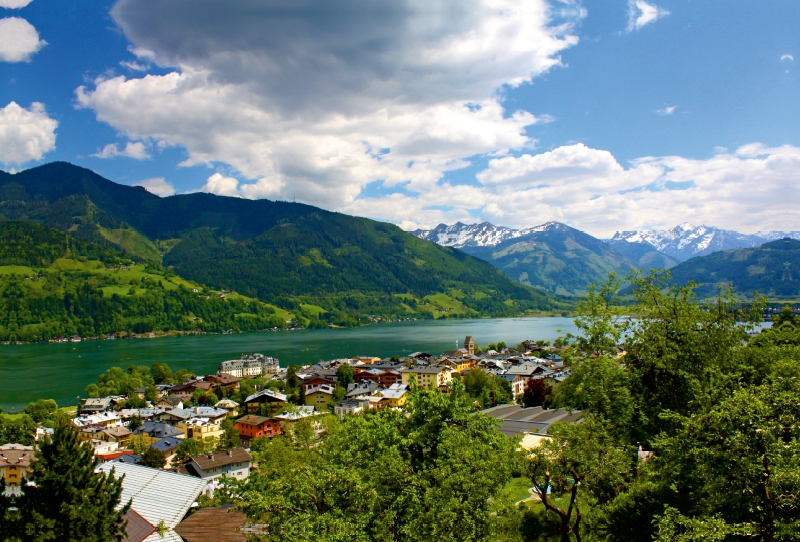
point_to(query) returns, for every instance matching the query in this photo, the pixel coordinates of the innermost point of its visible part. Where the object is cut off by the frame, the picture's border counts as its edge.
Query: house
(460, 364)
(104, 448)
(102, 420)
(215, 524)
(319, 396)
(210, 467)
(224, 381)
(344, 408)
(176, 415)
(15, 463)
(227, 405)
(395, 396)
(384, 377)
(214, 414)
(316, 380)
(159, 499)
(249, 366)
(185, 391)
(200, 428)
(366, 360)
(436, 375)
(357, 390)
(251, 427)
(168, 403)
(158, 430)
(274, 399)
(517, 383)
(95, 405)
(168, 446)
(526, 370)
(115, 434)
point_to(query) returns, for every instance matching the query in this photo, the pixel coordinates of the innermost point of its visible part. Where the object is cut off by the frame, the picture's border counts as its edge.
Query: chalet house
(315, 381)
(395, 396)
(343, 408)
(251, 427)
(176, 415)
(185, 391)
(200, 428)
(425, 376)
(460, 364)
(15, 463)
(210, 467)
(95, 405)
(274, 399)
(366, 388)
(158, 430)
(115, 434)
(319, 396)
(227, 405)
(216, 415)
(526, 370)
(224, 381)
(384, 377)
(168, 403)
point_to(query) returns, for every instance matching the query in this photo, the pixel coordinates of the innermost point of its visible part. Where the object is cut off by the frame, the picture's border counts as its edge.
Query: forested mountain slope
(289, 253)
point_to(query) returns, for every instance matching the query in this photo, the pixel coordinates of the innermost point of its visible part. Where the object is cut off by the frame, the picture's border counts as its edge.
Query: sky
(605, 115)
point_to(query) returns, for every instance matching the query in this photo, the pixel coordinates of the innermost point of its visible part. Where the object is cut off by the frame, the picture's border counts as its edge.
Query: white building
(249, 366)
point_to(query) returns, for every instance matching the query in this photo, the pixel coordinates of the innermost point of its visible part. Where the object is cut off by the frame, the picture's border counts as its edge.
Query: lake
(62, 371)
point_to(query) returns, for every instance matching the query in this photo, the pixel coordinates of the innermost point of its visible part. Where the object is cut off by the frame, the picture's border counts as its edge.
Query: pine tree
(70, 502)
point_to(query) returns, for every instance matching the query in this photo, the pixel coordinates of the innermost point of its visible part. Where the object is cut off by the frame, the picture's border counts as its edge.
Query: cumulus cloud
(321, 99)
(640, 14)
(25, 134)
(787, 57)
(19, 40)
(668, 110)
(222, 186)
(14, 4)
(132, 149)
(750, 189)
(158, 186)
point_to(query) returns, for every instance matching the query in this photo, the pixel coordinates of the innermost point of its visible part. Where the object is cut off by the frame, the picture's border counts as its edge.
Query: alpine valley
(557, 258)
(83, 255)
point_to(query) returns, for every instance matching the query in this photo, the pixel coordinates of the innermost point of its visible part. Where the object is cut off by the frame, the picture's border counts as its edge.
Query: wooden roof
(213, 525)
(220, 459)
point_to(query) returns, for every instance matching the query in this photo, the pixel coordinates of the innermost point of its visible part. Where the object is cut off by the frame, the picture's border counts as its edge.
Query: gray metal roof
(157, 494)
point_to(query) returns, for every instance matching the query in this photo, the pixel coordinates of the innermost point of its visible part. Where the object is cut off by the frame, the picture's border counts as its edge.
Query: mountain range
(561, 259)
(338, 268)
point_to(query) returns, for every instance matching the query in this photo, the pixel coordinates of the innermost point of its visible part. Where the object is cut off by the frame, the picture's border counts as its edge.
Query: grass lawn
(517, 489)
(312, 310)
(443, 301)
(16, 270)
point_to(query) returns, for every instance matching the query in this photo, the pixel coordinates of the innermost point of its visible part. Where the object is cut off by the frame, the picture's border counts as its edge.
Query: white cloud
(319, 100)
(135, 66)
(787, 57)
(221, 186)
(668, 110)
(157, 186)
(19, 40)
(640, 14)
(14, 4)
(752, 189)
(132, 149)
(25, 134)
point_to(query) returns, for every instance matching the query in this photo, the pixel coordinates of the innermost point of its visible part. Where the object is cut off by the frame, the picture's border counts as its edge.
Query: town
(195, 434)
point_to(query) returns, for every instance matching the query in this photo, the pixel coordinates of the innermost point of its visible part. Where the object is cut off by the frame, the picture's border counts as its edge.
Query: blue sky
(606, 115)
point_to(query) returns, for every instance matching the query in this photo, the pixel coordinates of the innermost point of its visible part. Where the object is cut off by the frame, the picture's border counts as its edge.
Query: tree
(433, 472)
(186, 450)
(579, 459)
(231, 438)
(70, 501)
(536, 392)
(17, 430)
(138, 443)
(134, 423)
(345, 375)
(153, 457)
(41, 410)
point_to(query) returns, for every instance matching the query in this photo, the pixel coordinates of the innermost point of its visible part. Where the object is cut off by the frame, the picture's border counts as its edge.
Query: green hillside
(52, 285)
(558, 259)
(284, 253)
(773, 269)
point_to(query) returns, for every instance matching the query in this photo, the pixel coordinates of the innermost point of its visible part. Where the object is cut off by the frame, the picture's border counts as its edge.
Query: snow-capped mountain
(687, 241)
(485, 234)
